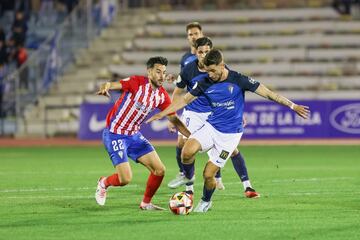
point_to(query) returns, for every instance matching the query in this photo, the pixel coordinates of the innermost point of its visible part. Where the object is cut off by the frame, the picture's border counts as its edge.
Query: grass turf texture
(307, 192)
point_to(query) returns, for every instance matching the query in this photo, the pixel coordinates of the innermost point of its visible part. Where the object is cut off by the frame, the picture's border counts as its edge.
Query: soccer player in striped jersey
(121, 137)
(220, 135)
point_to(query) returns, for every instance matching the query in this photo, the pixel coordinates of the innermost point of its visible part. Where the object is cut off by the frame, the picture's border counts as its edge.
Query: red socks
(112, 180)
(152, 186)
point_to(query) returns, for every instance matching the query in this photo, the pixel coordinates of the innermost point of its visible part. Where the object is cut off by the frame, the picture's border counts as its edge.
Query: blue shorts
(120, 147)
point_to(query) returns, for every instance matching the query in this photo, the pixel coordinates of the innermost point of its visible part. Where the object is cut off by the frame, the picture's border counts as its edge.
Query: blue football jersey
(226, 99)
(188, 77)
(187, 58)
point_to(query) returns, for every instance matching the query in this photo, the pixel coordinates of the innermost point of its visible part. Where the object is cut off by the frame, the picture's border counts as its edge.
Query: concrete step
(51, 128)
(68, 87)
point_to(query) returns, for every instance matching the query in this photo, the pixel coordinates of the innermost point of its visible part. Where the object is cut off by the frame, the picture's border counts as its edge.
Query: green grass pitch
(307, 192)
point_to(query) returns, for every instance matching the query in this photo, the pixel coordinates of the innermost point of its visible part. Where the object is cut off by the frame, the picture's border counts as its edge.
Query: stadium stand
(304, 53)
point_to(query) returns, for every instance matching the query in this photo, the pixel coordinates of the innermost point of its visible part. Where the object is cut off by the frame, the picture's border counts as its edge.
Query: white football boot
(100, 193)
(179, 181)
(203, 206)
(150, 207)
(219, 184)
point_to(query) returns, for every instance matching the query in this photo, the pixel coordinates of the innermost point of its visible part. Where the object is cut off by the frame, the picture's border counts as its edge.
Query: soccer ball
(181, 203)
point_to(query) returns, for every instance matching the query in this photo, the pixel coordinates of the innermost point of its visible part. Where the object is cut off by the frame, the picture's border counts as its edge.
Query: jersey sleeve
(130, 84)
(181, 80)
(199, 88)
(166, 102)
(247, 83)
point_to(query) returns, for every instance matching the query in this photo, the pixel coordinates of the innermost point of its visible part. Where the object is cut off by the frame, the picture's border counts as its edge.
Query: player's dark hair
(156, 60)
(213, 57)
(193, 25)
(203, 41)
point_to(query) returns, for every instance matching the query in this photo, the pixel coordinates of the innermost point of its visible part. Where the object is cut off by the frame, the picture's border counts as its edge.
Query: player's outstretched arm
(177, 94)
(179, 125)
(105, 87)
(174, 106)
(302, 111)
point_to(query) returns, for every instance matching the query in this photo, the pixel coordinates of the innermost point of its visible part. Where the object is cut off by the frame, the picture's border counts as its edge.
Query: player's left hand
(244, 122)
(302, 111)
(170, 78)
(157, 116)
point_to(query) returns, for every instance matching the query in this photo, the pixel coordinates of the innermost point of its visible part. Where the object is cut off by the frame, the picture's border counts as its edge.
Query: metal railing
(44, 66)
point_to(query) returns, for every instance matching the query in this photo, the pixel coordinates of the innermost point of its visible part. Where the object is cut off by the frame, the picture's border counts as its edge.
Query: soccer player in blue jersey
(194, 32)
(221, 133)
(196, 113)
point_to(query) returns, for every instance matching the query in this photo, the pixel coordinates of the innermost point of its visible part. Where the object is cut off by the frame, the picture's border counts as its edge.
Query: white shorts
(193, 120)
(219, 146)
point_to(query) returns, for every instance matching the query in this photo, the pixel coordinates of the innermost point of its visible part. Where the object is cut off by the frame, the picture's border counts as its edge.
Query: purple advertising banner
(328, 119)
(93, 121)
(265, 120)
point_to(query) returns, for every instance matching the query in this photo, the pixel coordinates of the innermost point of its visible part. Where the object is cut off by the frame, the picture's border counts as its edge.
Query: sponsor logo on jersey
(223, 104)
(224, 154)
(346, 118)
(142, 107)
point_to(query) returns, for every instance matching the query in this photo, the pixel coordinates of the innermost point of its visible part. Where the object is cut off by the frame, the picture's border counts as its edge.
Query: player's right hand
(171, 127)
(104, 89)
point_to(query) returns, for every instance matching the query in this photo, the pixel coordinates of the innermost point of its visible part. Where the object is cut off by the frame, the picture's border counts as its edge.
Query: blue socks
(178, 159)
(207, 193)
(240, 167)
(189, 170)
(218, 174)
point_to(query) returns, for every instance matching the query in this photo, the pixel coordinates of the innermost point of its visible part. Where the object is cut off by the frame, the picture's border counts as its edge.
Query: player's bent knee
(160, 171)
(187, 156)
(208, 176)
(125, 180)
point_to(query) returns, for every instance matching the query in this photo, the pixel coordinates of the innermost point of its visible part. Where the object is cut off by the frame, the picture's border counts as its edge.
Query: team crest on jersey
(231, 88)
(224, 154)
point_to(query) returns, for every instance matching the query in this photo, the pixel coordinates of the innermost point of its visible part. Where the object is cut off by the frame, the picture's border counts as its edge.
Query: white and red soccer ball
(181, 203)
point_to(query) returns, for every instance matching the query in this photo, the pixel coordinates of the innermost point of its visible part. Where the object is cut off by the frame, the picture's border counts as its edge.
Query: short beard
(155, 84)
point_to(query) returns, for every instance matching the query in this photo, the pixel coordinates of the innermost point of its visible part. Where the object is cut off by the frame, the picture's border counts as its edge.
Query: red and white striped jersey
(137, 100)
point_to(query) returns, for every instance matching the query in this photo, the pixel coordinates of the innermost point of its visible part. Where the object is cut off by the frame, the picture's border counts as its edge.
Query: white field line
(64, 189)
(311, 179)
(48, 173)
(59, 189)
(298, 194)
